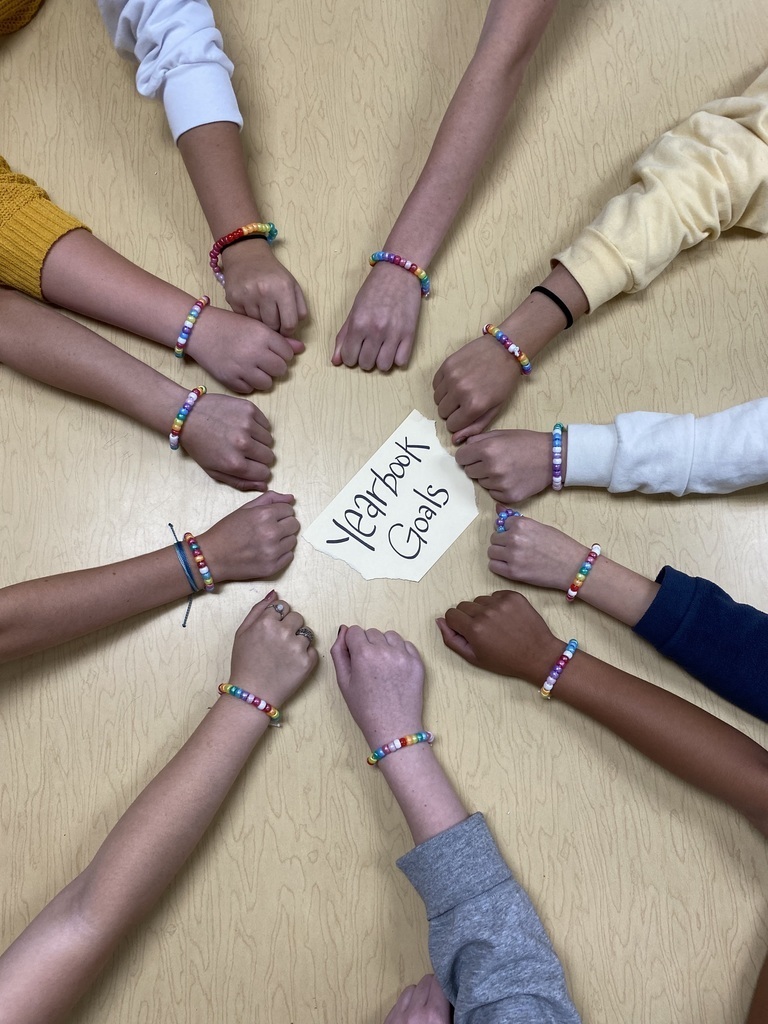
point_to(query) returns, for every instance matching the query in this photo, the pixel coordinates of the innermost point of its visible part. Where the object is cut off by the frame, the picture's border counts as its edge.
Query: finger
(301, 305)
(282, 563)
(289, 317)
(436, 999)
(476, 427)
(448, 406)
(258, 609)
(261, 421)
(350, 351)
(369, 351)
(287, 544)
(269, 314)
(456, 641)
(272, 364)
(239, 483)
(412, 649)
(258, 380)
(283, 347)
(257, 453)
(385, 359)
(438, 381)
(341, 657)
(496, 553)
(297, 347)
(468, 608)
(393, 639)
(292, 621)
(374, 636)
(356, 639)
(500, 568)
(403, 354)
(270, 498)
(341, 337)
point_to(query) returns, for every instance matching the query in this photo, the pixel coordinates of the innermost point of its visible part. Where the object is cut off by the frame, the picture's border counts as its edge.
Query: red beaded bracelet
(267, 231)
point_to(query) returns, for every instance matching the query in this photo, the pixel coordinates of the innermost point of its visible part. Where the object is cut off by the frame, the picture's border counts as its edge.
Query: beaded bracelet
(181, 415)
(267, 231)
(510, 346)
(557, 456)
(558, 302)
(399, 261)
(202, 566)
(503, 516)
(404, 741)
(557, 668)
(230, 690)
(584, 571)
(188, 325)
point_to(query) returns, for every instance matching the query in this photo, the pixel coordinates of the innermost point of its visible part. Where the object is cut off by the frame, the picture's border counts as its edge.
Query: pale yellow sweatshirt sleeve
(699, 179)
(29, 225)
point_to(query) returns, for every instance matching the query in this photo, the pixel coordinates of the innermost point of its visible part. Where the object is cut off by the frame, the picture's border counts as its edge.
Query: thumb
(456, 642)
(297, 346)
(270, 498)
(342, 661)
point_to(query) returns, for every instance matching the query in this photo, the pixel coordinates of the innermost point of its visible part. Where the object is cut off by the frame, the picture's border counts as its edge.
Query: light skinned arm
(228, 437)
(473, 385)
(255, 542)
(53, 962)
(85, 275)
(380, 329)
(257, 284)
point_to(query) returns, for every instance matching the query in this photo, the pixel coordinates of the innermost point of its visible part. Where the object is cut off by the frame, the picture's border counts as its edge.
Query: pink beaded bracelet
(510, 346)
(202, 565)
(188, 326)
(230, 690)
(267, 231)
(557, 668)
(397, 744)
(399, 261)
(584, 571)
(181, 415)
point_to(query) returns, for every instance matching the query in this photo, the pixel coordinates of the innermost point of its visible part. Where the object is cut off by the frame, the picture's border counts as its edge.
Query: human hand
(241, 353)
(511, 465)
(503, 634)
(381, 677)
(381, 325)
(259, 286)
(230, 439)
(421, 1004)
(530, 552)
(473, 384)
(268, 657)
(255, 541)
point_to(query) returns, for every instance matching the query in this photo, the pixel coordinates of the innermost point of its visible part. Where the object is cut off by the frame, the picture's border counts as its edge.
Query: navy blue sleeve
(721, 643)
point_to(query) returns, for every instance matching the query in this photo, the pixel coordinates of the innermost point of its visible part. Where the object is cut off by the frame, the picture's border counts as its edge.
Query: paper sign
(402, 511)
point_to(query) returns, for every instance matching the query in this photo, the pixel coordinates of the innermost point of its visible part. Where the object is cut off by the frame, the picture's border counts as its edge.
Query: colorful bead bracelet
(230, 690)
(557, 456)
(188, 325)
(404, 741)
(503, 516)
(181, 415)
(199, 558)
(510, 346)
(267, 231)
(399, 261)
(557, 668)
(584, 571)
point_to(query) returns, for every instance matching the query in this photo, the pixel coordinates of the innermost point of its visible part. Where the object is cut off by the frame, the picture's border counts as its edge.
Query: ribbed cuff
(598, 266)
(591, 454)
(26, 239)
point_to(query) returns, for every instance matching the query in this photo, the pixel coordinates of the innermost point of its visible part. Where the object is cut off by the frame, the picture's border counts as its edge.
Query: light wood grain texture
(292, 910)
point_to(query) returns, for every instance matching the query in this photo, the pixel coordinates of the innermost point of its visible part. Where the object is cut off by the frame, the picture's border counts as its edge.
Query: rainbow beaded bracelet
(403, 741)
(557, 668)
(584, 571)
(199, 558)
(503, 516)
(267, 231)
(181, 415)
(399, 261)
(557, 456)
(188, 326)
(510, 346)
(230, 690)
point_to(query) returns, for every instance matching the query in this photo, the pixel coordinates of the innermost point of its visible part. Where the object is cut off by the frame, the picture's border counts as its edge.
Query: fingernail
(338, 631)
(270, 595)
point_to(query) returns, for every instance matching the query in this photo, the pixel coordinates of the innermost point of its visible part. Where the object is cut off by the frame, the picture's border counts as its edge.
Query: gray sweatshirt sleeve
(489, 950)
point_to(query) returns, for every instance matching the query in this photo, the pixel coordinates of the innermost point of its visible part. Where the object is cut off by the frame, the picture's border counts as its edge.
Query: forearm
(471, 123)
(85, 275)
(424, 793)
(41, 613)
(616, 590)
(538, 320)
(69, 942)
(55, 350)
(680, 737)
(214, 158)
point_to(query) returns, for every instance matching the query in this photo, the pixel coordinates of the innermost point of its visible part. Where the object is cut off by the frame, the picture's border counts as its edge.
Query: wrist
(216, 559)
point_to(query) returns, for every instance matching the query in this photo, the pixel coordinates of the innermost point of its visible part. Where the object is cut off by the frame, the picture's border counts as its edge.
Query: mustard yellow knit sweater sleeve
(29, 225)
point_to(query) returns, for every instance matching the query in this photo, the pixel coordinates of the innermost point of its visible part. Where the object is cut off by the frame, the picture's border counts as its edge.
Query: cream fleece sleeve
(658, 453)
(703, 177)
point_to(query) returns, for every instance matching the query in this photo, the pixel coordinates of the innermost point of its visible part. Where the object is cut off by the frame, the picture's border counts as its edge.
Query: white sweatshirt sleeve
(705, 176)
(181, 58)
(658, 453)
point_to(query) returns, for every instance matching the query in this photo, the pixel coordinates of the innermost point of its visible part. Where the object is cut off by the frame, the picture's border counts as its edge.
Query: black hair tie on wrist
(558, 302)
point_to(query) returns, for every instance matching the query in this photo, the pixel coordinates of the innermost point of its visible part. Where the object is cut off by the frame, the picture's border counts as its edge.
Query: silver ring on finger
(307, 632)
(279, 608)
